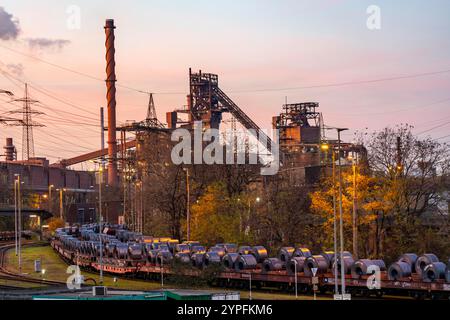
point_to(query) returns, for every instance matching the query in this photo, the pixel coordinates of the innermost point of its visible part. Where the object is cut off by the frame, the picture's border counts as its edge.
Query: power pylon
(27, 124)
(152, 120)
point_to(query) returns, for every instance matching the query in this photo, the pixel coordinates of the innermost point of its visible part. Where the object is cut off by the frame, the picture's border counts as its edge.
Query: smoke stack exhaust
(10, 150)
(111, 98)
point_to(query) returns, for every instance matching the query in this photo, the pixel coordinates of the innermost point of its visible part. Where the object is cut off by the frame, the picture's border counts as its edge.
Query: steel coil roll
(348, 262)
(198, 259)
(399, 270)
(286, 253)
(434, 271)
(316, 261)
(121, 251)
(164, 257)
(260, 253)
(245, 250)
(110, 247)
(360, 267)
(302, 252)
(212, 257)
(135, 251)
(183, 257)
(152, 255)
(273, 264)
(425, 260)
(344, 254)
(290, 266)
(182, 248)
(198, 249)
(219, 250)
(329, 257)
(230, 247)
(229, 259)
(409, 258)
(245, 262)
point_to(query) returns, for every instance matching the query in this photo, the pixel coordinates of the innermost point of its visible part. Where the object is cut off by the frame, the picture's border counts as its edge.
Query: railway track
(8, 275)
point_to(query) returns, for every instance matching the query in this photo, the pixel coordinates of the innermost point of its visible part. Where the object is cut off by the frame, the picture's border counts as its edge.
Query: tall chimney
(10, 150)
(111, 97)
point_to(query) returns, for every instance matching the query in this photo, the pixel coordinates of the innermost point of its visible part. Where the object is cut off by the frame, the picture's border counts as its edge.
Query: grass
(55, 269)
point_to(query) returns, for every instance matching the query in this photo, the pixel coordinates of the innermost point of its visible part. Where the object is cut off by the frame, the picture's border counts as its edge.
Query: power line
(337, 84)
(433, 128)
(71, 70)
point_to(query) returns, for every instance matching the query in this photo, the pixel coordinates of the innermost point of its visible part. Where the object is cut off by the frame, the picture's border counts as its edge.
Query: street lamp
(50, 187)
(295, 277)
(341, 223)
(18, 220)
(100, 219)
(188, 214)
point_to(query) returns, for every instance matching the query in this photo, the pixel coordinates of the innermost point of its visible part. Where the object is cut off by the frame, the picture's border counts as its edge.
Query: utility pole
(50, 203)
(16, 227)
(336, 286)
(100, 218)
(61, 205)
(341, 220)
(355, 208)
(19, 201)
(188, 214)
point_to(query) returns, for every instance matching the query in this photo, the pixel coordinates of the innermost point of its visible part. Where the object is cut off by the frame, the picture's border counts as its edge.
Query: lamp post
(50, 187)
(61, 207)
(17, 182)
(355, 208)
(326, 147)
(188, 214)
(100, 219)
(295, 277)
(15, 217)
(341, 223)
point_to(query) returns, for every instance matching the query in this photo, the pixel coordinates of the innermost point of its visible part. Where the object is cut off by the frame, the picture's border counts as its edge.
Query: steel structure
(27, 124)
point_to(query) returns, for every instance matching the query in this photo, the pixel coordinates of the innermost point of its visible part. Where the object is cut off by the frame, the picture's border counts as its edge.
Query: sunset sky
(258, 49)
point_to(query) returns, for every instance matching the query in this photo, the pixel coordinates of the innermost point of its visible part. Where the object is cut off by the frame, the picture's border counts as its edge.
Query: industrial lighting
(258, 199)
(324, 147)
(33, 216)
(45, 196)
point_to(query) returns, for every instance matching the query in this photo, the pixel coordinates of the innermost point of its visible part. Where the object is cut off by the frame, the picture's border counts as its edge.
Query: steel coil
(286, 253)
(434, 271)
(260, 253)
(399, 270)
(135, 251)
(152, 255)
(273, 264)
(182, 248)
(316, 261)
(164, 257)
(290, 266)
(302, 252)
(329, 257)
(245, 250)
(183, 257)
(219, 250)
(230, 247)
(361, 267)
(229, 259)
(198, 259)
(409, 258)
(245, 262)
(348, 262)
(425, 260)
(121, 251)
(344, 254)
(212, 257)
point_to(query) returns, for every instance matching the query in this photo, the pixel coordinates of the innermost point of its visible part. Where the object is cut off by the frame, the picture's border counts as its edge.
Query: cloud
(16, 69)
(45, 43)
(9, 26)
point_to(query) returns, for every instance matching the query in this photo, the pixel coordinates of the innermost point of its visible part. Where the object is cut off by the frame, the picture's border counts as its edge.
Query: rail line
(6, 274)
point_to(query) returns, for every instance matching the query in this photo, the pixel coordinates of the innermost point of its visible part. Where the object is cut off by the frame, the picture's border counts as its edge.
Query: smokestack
(10, 150)
(111, 97)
